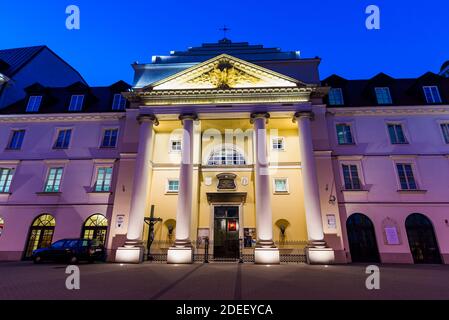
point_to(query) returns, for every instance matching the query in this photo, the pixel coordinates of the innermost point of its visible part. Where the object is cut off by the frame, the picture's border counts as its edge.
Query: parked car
(71, 251)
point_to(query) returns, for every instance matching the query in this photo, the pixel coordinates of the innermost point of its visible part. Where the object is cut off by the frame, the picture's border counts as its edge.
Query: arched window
(362, 239)
(422, 239)
(2, 224)
(41, 234)
(95, 227)
(226, 156)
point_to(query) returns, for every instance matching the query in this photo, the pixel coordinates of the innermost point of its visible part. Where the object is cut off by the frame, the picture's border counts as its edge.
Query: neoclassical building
(237, 146)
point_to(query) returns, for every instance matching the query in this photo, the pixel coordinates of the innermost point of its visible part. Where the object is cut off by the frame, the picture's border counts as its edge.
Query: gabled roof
(17, 58)
(225, 69)
(13, 60)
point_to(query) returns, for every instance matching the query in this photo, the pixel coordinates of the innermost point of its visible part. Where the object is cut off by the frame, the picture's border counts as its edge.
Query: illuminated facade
(238, 144)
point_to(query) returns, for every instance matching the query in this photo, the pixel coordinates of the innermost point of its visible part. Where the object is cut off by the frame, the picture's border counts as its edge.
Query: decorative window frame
(13, 165)
(103, 129)
(56, 134)
(286, 184)
(404, 124)
(101, 163)
(283, 149)
(170, 144)
(167, 186)
(52, 164)
(439, 123)
(412, 160)
(352, 125)
(352, 161)
(10, 135)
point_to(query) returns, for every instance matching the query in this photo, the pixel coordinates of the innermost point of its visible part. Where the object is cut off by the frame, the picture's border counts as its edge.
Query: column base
(129, 255)
(180, 255)
(266, 256)
(320, 255)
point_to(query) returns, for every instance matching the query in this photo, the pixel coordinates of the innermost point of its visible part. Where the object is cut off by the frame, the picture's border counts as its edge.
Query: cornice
(222, 96)
(61, 117)
(390, 110)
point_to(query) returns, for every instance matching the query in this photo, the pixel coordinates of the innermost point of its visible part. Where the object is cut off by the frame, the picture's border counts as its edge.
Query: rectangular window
(445, 130)
(76, 103)
(406, 177)
(110, 138)
(344, 134)
(63, 139)
(34, 102)
(104, 179)
(54, 178)
(173, 186)
(396, 133)
(432, 94)
(6, 175)
(176, 145)
(280, 185)
(383, 95)
(16, 141)
(351, 177)
(278, 144)
(336, 97)
(119, 102)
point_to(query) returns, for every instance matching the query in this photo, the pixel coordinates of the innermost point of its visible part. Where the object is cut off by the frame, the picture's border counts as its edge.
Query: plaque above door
(226, 181)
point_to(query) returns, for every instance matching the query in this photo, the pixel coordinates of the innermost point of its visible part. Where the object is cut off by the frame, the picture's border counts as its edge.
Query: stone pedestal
(129, 255)
(320, 255)
(266, 256)
(182, 255)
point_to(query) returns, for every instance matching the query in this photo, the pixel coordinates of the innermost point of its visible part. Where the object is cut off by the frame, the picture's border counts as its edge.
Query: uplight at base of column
(129, 255)
(320, 256)
(266, 256)
(180, 255)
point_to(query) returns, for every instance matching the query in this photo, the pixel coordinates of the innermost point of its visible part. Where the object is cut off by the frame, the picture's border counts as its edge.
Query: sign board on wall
(120, 221)
(331, 221)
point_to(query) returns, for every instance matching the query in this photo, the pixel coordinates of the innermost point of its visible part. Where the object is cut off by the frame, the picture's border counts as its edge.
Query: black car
(71, 251)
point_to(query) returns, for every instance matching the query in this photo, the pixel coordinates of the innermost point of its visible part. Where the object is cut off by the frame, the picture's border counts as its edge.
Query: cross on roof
(225, 29)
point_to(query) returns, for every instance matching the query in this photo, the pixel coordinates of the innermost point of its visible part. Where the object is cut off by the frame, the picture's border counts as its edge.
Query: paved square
(24, 280)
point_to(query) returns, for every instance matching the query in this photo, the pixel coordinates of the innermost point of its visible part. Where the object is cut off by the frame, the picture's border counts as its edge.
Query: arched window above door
(44, 220)
(226, 156)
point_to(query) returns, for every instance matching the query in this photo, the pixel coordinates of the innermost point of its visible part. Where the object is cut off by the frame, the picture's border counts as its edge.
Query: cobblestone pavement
(24, 280)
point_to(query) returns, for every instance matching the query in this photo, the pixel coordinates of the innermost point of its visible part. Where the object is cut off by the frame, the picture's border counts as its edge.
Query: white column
(265, 252)
(133, 250)
(182, 251)
(317, 251)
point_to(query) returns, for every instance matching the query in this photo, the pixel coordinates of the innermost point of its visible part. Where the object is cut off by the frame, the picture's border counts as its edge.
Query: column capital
(303, 114)
(188, 116)
(148, 117)
(260, 115)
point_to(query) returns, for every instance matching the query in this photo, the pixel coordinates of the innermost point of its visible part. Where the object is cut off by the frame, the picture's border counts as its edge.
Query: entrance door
(362, 239)
(422, 239)
(41, 234)
(226, 233)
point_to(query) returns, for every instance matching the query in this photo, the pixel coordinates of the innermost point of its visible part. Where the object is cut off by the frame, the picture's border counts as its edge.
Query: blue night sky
(413, 38)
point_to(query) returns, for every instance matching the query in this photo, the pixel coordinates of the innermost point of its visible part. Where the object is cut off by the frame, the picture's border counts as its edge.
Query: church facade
(238, 149)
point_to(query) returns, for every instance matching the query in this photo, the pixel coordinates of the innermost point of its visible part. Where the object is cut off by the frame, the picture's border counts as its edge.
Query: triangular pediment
(225, 72)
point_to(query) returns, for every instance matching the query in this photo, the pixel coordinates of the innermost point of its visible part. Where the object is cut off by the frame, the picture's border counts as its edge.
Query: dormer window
(336, 97)
(76, 103)
(383, 96)
(432, 94)
(34, 102)
(119, 102)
